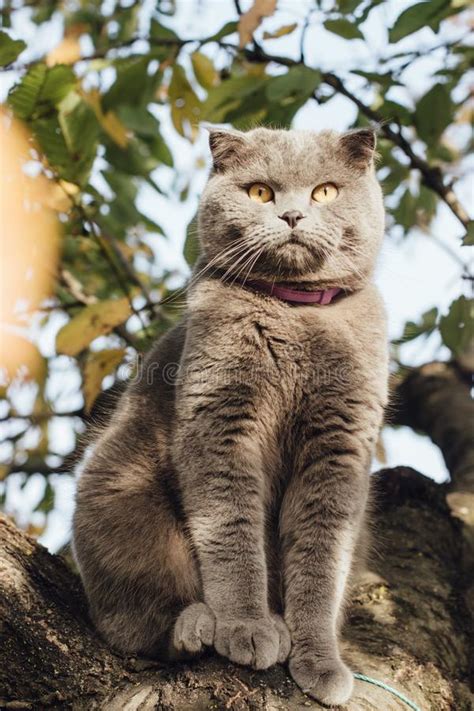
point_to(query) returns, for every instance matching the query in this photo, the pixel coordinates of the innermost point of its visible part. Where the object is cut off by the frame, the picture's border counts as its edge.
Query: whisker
(248, 251)
(259, 253)
(224, 254)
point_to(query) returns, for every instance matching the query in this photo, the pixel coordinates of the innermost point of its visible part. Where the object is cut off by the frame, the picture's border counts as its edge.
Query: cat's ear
(359, 146)
(227, 148)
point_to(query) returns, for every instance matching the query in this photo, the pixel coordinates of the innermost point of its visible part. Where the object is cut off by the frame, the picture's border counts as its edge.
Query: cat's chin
(301, 267)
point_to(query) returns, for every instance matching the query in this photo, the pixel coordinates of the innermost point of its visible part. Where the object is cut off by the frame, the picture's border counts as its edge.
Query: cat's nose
(292, 217)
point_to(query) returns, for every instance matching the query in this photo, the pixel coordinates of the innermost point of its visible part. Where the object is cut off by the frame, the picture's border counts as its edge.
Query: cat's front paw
(194, 629)
(257, 643)
(329, 681)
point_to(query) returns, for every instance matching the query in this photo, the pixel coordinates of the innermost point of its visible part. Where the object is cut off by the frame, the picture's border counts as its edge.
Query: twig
(303, 36)
(106, 250)
(133, 276)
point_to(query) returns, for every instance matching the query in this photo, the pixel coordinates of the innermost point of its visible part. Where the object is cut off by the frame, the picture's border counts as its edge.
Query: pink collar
(293, 296)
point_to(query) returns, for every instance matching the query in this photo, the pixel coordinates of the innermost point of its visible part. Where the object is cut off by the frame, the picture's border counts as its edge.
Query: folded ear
(359, 146)
(227, 148)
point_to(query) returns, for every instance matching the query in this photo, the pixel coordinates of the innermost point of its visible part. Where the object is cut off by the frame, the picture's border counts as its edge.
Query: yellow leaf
(97, 366)
(251, 19)
(109, 121)
(93, 321)
(204, 70)
(61, 196)
(35, 530)
(185, 105)
(68, 51)
(281, 31)
(115, 128)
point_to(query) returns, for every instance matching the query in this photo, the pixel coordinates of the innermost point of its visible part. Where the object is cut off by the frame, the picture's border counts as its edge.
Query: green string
(390, 689)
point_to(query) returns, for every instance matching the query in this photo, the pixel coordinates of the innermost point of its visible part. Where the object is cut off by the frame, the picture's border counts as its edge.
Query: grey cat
(225, 503)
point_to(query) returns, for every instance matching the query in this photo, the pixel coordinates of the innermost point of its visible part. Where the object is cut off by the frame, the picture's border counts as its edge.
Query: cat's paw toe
(328, 681)
(285, 639)
(253, 643)
(194, 629)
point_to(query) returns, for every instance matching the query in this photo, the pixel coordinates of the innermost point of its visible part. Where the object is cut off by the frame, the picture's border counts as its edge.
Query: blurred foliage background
(105, 115)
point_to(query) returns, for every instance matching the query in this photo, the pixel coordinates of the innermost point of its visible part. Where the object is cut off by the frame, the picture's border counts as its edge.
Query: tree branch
(407, 627)
(435, 399)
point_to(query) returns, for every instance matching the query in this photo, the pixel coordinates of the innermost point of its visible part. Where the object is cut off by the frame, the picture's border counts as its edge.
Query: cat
(225, 503)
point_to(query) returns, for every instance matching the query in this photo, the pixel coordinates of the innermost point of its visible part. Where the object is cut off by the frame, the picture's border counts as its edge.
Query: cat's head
(292, 206)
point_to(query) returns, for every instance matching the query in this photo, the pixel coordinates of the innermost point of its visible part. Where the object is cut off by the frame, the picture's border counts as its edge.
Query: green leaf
(468, 240)
(40, 88)
(135, 159)
(9, 49)
(289, 92)
(457, 327)
(368, 9)
(191, 244)
(74, 167)
(404, 213)
(79, 126)
(228, 29)
(159, 31)
(123, 185)
(433, 113)
(139, 120)
(23, 96)
(424, 327)
(58, 82)
(299, 81)
(393, 111)
(344, 28)
(159, 149)
(347, 6)
(230, 94)
(204, 70)
(415, 17)
(386, 80)
(147, 127)
(398, 173)
(92, 321)
(130, 85)
(426, 205)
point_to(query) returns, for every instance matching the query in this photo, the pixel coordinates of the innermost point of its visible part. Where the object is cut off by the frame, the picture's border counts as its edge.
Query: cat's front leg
(218, 459)
(321, 520)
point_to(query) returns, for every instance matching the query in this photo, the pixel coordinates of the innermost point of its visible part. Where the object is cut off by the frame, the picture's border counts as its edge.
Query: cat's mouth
(298, 241)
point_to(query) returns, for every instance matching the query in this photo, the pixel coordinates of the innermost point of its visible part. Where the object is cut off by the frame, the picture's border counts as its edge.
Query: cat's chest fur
(287, 352)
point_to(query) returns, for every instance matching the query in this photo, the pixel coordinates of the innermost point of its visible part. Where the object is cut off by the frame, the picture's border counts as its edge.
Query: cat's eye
(260, 192)
(326, 192)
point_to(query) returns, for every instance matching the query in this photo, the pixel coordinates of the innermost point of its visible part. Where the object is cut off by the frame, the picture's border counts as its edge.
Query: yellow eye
(327, 192)
(260, 192)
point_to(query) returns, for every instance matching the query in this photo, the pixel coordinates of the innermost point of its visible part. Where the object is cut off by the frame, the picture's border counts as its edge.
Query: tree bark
(407, 626)
(435, 399)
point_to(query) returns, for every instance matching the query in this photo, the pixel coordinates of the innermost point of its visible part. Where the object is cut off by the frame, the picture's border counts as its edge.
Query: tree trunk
(407, 627)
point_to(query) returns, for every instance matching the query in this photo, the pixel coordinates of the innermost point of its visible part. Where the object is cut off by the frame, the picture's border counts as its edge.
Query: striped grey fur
(225, 502)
